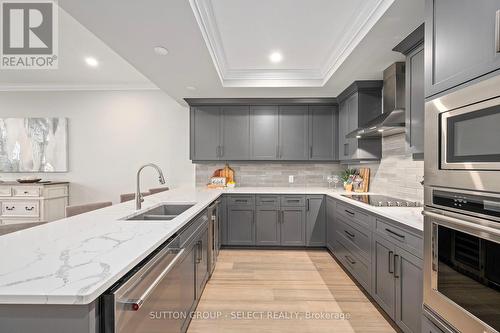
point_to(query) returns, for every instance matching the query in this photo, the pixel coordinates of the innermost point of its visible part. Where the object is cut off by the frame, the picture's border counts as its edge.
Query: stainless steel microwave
(462, 143)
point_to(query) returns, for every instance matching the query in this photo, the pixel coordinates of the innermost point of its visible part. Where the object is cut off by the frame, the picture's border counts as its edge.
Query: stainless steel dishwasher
(157, 296)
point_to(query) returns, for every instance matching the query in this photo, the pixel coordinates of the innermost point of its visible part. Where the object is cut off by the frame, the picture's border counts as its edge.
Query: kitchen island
(62, 268)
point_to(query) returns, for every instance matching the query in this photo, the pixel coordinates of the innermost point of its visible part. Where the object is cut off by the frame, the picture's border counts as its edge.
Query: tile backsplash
(397, 174)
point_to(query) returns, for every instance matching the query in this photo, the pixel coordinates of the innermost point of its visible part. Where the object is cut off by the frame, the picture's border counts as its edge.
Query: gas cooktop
(381, 200)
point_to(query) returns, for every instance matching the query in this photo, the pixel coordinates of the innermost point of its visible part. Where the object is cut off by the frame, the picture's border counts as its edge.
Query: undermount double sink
(165, 212)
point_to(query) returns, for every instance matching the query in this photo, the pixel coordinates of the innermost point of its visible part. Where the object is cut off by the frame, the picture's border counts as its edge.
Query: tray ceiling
(314, 37)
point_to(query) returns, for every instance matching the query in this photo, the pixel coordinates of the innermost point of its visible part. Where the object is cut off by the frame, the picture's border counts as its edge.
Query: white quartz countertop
(76, 259)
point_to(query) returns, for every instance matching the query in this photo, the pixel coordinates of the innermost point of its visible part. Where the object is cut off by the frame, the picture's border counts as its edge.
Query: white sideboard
(40, 202)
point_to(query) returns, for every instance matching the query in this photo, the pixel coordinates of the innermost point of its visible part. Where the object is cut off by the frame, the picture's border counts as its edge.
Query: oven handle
(136, 304)
(453, 220)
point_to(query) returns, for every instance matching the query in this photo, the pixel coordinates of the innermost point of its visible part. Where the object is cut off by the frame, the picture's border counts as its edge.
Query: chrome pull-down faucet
(138, 195)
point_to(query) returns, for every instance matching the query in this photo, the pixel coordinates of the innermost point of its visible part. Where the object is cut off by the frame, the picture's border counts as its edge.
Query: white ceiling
(133, 28)
(75, 44)
(314, 37)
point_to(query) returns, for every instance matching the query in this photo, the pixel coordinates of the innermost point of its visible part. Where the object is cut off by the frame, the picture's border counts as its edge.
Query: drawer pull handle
(29, 208)
(349, 234)
(351, 261)
(294, 200)
(26, 192)
(395, 233)
(240, 200)
(349, 212)
(271, 201)
(10, 208)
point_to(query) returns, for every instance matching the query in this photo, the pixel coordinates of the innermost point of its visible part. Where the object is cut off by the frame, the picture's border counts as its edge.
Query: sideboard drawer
(5, 191)
(25, 191)
(20, 208)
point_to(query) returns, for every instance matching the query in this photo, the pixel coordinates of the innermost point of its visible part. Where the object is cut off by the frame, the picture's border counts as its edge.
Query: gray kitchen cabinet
(359, 103)
(293, 222)
(293, 133)
(460, 42)
(343, 147)
(201, 262)
(264, 133)
(268, 226)
(241, 225)
(415, 101)
(330, 223)
(235, 134)
(223, 220)
(315, 220)
(323, 128)
(384, 290)
(205, 127)
(409, 291)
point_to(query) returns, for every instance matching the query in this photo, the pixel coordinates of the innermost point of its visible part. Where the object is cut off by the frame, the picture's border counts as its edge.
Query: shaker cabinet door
(415, 100)
(460, 42)
(241, 226)
(264, 133)
(322, 133)
(267, 226)
(205, 133)
(235, 141)
(384, 289)
(315, 221)
(293, 133)
(293, 226)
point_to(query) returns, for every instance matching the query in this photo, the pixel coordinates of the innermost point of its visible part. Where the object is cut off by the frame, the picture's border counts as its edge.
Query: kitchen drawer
(20, 208)
(5, 191)
(359, 268)
(26, 191)
(354, 214)
(241, 200)
(400, 237)
(358, 238)
(20, 220)
(293, 200)
(268, 200)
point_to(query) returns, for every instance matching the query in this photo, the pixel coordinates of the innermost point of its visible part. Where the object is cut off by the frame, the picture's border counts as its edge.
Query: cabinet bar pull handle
(308, 205)
(497, 31)
(351, 261)
(391, 261)
(200, 252)
(349, 212)
(394, 233)
(346, 148)
(311, 151)
(349, 234)
(396, 269)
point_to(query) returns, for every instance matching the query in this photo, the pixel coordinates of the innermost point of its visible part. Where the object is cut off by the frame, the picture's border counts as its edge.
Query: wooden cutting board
(226, 172)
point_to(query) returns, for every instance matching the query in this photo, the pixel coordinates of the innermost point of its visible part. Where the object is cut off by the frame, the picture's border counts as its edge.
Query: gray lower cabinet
(205, 127)
(460, 42)
(241, 225)
(323, 128)
(330, 223)
(315, 221)
(397, 284)
(293, 226)
(264, 134)
(235, 134)
(268, 227)
(201, 262)
(293, 133)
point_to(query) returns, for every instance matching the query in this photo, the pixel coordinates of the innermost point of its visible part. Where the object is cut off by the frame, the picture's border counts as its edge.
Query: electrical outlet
(291, 179)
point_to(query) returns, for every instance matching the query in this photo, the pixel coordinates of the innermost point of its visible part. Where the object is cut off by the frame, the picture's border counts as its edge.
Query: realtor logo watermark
(29, 34)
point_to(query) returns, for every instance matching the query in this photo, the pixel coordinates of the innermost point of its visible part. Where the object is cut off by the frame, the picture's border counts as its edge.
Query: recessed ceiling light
(276, 57)
(358, 136)
(160, 50)
(191, 88)
(91, 61)
(381, 130)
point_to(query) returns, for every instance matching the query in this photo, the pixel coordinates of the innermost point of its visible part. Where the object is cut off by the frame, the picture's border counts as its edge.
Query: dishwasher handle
(136, 304)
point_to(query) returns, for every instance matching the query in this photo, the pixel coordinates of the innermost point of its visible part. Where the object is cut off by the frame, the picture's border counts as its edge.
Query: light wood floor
(278, 283)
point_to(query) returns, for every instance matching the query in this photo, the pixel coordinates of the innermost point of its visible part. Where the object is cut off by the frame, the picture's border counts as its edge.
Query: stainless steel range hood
(392, 119)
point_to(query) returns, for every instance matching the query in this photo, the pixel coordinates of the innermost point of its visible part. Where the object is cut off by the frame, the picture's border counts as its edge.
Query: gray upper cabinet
(264, 133)
(460, 42)
(293, 226)
(315, 221)
(293, 133)
(413, 48)
(359, 103)
(323, 128)
(235, 134)
(205, 133)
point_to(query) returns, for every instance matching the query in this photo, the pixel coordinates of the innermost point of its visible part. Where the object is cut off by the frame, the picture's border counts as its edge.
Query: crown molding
(205, 17)
(76, 87)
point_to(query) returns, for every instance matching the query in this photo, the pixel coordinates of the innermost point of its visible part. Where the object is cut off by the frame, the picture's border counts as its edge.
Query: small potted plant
(347, 177)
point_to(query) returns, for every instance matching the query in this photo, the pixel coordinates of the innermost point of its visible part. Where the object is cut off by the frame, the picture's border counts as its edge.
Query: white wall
(111, 134)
